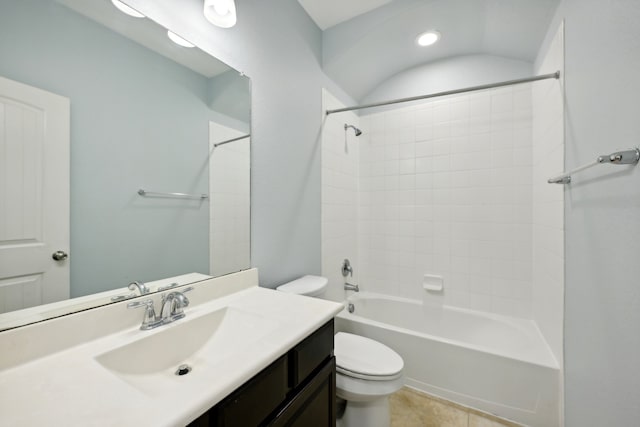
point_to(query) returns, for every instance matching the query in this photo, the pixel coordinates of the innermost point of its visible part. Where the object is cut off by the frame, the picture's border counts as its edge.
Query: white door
(34, 196)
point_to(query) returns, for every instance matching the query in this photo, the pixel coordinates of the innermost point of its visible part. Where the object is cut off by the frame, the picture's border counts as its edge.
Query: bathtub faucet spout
(350, 287)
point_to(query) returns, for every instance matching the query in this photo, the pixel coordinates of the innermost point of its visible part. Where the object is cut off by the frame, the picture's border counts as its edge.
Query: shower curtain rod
(555, 75)
(232, 140)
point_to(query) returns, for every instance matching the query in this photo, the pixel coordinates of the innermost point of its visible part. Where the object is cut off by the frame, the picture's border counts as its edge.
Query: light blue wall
(124, 104)
(279, 47)
(230, 95)
(602, 213)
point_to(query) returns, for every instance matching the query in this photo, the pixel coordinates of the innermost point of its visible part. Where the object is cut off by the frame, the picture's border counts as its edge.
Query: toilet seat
(366, 359)
(367, 377)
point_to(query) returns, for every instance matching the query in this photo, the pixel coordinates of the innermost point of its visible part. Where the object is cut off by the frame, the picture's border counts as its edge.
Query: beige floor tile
(411, 409)
(405, 420)
(479, 421)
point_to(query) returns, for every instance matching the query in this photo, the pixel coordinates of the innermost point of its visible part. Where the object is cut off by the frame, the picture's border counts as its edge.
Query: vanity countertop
(70, 387)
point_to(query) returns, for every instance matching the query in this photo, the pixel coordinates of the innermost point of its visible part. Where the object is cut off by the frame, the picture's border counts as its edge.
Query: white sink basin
(202, 343)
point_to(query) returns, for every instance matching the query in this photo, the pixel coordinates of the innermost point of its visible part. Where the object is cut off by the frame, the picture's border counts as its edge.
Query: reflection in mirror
(95, 106)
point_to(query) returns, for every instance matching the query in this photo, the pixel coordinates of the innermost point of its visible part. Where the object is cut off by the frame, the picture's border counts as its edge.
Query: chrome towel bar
(146, 193)
(626, 157)
(232, 140)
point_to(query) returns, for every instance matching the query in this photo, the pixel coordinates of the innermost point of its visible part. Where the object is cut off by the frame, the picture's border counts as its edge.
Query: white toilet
(367, 371)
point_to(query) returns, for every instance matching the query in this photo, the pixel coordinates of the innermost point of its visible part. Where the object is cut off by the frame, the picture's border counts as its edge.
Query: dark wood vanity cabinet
(297, 390)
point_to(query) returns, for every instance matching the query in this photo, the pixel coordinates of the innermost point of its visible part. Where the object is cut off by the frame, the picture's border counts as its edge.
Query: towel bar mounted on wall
(146, 193)
(232, 140)
(626, 157)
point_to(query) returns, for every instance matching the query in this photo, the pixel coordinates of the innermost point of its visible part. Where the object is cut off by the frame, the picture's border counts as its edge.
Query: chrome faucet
(350, 287)
(141, 287)
(172, 309)
(173, 305)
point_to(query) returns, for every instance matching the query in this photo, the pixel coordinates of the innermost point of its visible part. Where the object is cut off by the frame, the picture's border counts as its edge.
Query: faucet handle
(147, 304)
(149, 321)
(164, 288)
(138, 304)
(122, 297)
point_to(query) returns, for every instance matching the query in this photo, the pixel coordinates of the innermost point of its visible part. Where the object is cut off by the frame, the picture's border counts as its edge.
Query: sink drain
(183, 370)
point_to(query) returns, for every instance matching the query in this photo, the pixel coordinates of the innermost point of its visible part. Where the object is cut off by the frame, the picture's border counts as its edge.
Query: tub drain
(183, 370)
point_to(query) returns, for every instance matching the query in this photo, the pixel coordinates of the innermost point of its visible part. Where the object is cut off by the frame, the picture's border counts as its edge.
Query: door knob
(59, 255)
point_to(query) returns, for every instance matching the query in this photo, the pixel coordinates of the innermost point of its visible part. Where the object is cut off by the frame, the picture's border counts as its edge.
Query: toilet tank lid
(307, 285)
(364, 356)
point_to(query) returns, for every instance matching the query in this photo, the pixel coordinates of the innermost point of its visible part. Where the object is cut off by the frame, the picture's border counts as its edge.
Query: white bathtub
(496, 364)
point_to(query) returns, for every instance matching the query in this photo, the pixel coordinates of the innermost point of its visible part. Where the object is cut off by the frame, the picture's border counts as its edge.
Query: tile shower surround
(548, 200)
(340, 158)
(445, 187)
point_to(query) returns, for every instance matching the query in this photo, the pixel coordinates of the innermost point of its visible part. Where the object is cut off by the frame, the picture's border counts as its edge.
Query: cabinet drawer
(310, 353)
(256, 399)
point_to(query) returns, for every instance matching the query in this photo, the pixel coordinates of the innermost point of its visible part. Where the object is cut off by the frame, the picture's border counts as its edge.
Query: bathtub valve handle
(346, 268)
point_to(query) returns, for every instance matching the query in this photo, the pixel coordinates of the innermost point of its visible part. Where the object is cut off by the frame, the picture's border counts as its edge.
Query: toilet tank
(309, 285)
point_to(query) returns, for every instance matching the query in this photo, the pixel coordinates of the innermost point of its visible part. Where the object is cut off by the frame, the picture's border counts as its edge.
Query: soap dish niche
(433, 283)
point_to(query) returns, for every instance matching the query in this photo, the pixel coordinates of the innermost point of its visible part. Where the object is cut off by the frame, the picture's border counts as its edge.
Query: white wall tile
(343, 165)
(462, 203)
(448, 187)
(547, 273)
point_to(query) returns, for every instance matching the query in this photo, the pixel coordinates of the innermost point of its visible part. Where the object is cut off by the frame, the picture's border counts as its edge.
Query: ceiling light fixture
(179, 40)
(221, 13)
(127, 9)
(428, 38)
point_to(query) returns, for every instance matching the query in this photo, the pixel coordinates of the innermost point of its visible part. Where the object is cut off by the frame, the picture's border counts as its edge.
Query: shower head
(355, 129)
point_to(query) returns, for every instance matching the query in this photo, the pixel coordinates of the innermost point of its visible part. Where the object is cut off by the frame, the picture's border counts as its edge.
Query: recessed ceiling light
(127, 9)
(428, 38)
(179, 40)
(221, 13)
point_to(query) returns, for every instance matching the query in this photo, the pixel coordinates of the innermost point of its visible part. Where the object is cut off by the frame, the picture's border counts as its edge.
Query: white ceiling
(327, 13)
(369, 48)
(148, 34)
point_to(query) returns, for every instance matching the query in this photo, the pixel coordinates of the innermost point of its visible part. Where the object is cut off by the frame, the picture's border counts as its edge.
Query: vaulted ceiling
(327, 13)
(368, 41)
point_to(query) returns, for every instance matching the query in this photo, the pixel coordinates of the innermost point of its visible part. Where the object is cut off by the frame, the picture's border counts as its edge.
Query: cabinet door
(254, 401)
(310, 354)
(315, 404)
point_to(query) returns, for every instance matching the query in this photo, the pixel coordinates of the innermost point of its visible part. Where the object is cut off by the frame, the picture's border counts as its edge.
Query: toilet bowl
(367, 371)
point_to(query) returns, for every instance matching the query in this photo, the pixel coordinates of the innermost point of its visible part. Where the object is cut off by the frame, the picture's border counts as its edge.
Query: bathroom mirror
(124, 156)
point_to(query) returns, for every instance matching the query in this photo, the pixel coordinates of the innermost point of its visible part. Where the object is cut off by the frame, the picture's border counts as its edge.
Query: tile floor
(411, 408)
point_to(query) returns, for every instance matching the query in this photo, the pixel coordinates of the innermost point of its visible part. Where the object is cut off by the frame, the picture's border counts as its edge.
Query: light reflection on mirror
(142, 113)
